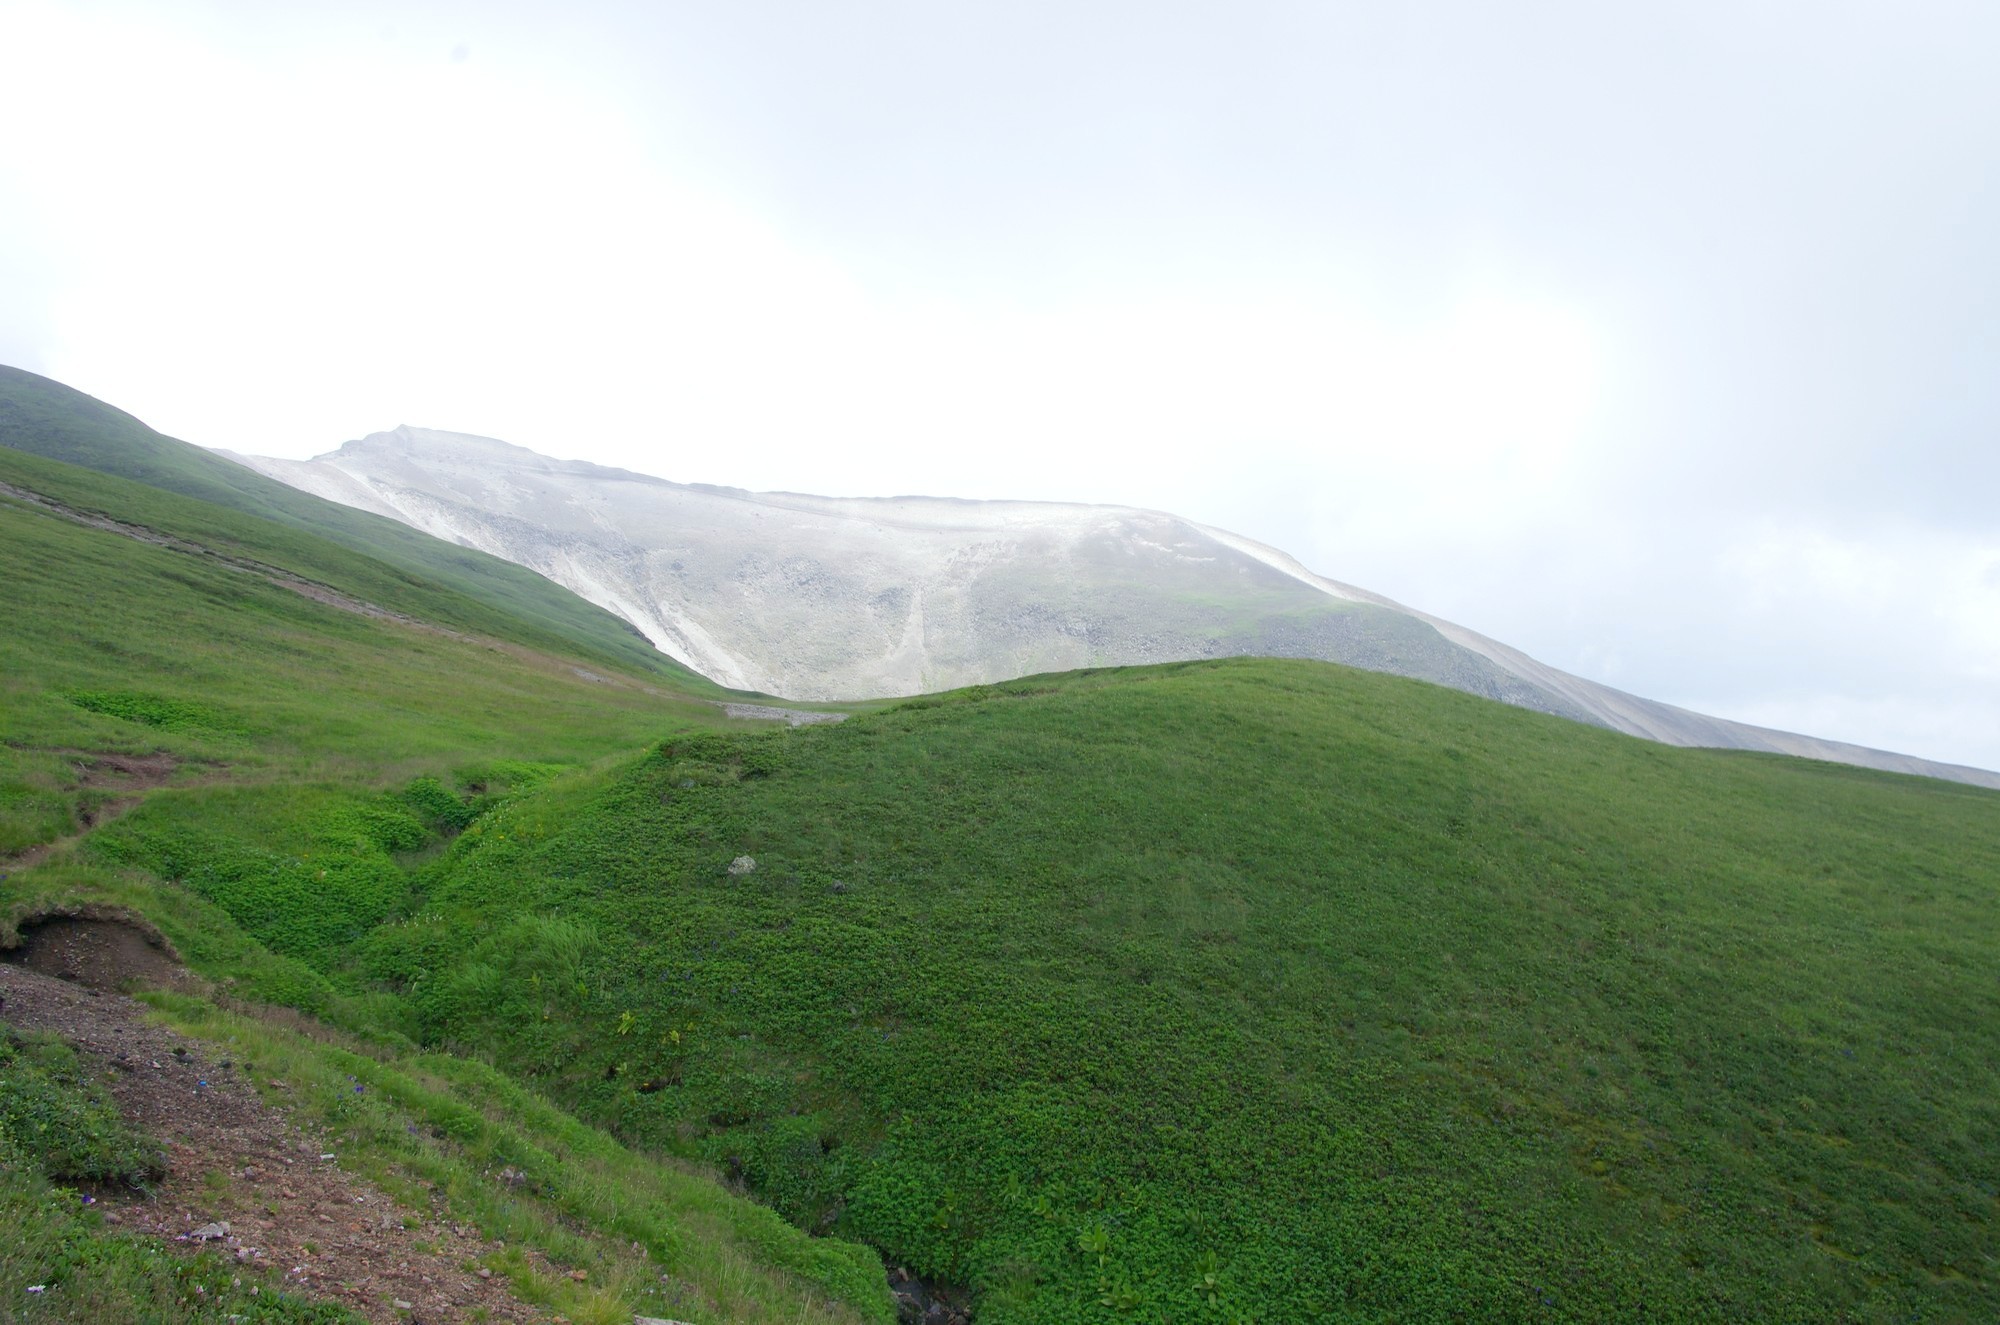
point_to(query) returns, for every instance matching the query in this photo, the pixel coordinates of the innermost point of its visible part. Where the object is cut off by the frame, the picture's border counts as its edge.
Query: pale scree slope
(822, 598)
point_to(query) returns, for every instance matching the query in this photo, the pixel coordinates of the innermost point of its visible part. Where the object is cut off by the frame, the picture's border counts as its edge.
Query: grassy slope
(269, 683)
(1367, 999)
(322, 754)
(379, 559)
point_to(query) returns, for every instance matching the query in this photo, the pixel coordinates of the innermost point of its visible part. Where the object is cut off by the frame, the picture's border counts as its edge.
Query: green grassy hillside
(120, 644)
(380, 559)
(1272, 991)
(312, 758)
(1241, 991)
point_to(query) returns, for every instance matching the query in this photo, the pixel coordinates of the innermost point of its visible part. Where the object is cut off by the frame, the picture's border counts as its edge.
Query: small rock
(743, 865)
(485, 1273)
(210, 1232)
(401, 1305)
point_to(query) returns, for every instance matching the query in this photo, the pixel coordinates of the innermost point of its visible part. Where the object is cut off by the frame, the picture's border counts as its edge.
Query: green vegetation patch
(150, 710)
(37, 801)
(60, 1124)
(331, 876)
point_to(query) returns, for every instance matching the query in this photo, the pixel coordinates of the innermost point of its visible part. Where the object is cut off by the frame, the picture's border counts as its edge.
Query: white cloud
(1879, 592)
(370, 237)
(1888, 636)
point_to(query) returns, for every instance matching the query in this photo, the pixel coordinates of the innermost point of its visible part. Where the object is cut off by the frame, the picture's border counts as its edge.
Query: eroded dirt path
(123, 777)
(233, 1159)
(278, 575)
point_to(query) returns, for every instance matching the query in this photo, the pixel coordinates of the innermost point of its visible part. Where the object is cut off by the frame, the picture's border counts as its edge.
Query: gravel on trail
(232, 1159)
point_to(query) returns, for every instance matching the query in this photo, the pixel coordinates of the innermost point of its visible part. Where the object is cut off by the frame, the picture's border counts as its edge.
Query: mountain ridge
(824, 598)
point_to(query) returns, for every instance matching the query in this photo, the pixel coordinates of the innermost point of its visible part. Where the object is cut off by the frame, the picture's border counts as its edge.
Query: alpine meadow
(1245, 990)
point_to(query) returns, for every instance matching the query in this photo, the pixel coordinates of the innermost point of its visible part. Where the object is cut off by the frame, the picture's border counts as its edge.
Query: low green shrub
(148, 709)
(31, 814)
(441, 810)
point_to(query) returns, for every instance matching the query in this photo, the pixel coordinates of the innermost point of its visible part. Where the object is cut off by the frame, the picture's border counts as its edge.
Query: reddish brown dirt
(231, 1158)
(97, 953)
(97, 768)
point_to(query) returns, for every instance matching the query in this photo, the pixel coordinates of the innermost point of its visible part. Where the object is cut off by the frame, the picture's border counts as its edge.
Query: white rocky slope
(837, 598)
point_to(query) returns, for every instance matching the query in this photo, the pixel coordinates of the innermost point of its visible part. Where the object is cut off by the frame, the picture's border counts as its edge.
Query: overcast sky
(1662, 342)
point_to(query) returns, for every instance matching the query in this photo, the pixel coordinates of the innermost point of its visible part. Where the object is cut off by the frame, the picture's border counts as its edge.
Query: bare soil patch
(125, 771)
(122, 772)
(100, 954)
(771, 713)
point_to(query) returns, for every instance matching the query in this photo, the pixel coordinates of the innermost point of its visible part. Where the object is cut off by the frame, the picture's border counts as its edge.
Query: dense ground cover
(1272, 991)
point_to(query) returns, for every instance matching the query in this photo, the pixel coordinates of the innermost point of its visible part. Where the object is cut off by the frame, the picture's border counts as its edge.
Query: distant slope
(823, 598)
(415, 573)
